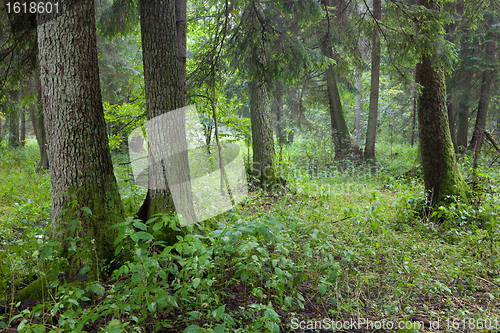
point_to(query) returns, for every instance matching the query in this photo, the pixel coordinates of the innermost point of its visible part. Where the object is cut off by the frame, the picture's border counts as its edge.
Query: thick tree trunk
(264, 155)
(81, 171)
(180, 21)
(371, 131)
(482, 109)
(441, 175)
(340, 132)
(164, 93)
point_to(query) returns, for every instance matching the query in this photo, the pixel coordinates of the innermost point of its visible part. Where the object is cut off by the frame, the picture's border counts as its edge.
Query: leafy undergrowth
(334, 247)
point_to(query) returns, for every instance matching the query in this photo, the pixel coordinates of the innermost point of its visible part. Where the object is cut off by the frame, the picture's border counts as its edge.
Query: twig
(345, 218)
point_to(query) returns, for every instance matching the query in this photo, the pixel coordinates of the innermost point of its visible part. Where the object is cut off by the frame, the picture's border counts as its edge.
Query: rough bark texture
(264, 155)
(81, 171)
(180, 21)
(441, 175)
(482, 109)
(371, 131)
(36, 115)
(164, 93)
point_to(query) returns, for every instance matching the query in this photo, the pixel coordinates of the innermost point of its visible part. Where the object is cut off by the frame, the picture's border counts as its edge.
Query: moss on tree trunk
(441, 175)
(81, 171)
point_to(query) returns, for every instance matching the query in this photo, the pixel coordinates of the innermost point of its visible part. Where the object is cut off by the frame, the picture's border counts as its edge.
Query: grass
(338, 244)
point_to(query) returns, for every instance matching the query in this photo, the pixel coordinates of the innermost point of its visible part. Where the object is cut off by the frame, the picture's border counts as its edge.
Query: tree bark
(280, 114)
(340, 132)
(482, 109)
(463, 124)
(264, 155)
(413, 122)
(181, 29)
(371, 131)
(451, 118)
(22, 131)
(164, 93)
(441, 175)
(36, 115)
(13, 118)
(359, 107)
(81, 171)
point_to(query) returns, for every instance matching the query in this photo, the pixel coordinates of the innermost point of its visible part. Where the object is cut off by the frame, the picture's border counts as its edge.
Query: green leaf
(97, 289)
(322, 289)
(46, 251)
(72, 301)
(219, 312)
(21, 325)
(144, 235)
(157, 226)
(87, 210)
(264, 232)
(196, 282)
(140, 225)
(220, 328)
(152, 306)
(192, 329)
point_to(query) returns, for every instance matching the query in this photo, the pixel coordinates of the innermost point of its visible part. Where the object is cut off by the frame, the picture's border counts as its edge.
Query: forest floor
(339, 248)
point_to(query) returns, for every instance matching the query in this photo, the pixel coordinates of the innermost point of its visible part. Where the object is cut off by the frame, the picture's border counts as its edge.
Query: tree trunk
(180, 20)
(482, 109)
(264, 155)
(463, 124)
(294, 117)
(371, 131)
(280, 114)
(36, 115)
(81, 171)
(22, 134)
(340, 132)
(13, 118)
(413, 122)
(359, 107)
(164, 93)
(441, 175)
(451, 119)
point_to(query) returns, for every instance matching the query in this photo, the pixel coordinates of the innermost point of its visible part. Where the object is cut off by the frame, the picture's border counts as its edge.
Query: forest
(250, 166)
